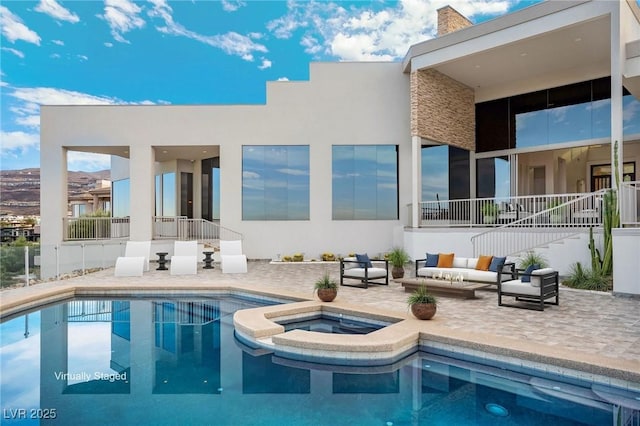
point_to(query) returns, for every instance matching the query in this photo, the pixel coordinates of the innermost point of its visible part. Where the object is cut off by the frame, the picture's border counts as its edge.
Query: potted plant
(422, 303)
(490, 213)
(398, 257)
(327, 288)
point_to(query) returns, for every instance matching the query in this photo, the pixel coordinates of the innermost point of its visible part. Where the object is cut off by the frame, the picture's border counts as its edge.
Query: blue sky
(187, 52)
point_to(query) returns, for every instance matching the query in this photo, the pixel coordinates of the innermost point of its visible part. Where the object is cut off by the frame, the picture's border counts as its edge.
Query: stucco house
(526, 113)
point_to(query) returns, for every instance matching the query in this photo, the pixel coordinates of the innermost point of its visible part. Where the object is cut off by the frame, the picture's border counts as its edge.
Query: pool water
(176, 362)
(323, 322)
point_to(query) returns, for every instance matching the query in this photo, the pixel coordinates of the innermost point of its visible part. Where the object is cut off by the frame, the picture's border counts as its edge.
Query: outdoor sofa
(532, 286)
(364, 270)
(483, 269)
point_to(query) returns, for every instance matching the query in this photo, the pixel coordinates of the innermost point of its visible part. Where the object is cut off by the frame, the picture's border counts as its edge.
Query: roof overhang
(561, 42)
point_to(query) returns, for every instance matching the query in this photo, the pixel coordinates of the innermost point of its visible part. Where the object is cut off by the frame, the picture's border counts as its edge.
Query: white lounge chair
(232, 261)
(135, 260)
(185, 258)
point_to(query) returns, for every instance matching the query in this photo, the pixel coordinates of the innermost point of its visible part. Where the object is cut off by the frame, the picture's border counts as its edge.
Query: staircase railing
(630, 203)
(182, 228)
(553, 224)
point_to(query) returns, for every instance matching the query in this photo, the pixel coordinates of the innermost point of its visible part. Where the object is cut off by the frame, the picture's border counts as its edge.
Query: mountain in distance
(20, 189)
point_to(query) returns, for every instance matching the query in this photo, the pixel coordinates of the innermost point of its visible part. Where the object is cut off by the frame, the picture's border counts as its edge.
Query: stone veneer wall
(450, 20)
(442, 109)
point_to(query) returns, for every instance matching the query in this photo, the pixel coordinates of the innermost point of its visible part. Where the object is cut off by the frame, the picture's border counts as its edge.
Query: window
(275, 182)
(365, 182)
(120, 198)
(169, 194)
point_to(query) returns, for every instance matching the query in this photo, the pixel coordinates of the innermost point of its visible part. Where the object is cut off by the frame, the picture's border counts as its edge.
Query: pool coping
(384, 344)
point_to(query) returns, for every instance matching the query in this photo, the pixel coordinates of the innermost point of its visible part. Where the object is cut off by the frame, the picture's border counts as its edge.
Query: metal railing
(554, 209)
(556, 223)
(181, 228)
(630, 203)
(94, 228)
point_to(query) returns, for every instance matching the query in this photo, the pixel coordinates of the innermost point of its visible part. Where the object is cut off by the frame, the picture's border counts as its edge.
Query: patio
(596, 332)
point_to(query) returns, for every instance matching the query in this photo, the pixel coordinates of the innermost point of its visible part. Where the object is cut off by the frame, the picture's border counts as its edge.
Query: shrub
(398, 257)
(421, 295)
(532, 258)
(588, 279)
(328, 256)
(326, 282)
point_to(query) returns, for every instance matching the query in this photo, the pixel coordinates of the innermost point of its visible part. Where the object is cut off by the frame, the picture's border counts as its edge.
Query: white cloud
(232, 5)
(283, 79)
(58, 42)
(231, 43)
(18, 53)
(54, 56)
(13, 28)
(122, 17)
(15, 143)
(82, 58)
(364, 33)
(250, 175)
(78, 160)
(265, 64)
(26, 107)
(56, 11)
(107, 44)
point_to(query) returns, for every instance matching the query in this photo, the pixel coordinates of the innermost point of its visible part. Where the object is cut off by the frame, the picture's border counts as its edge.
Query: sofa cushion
(371, 272)
(483, 263)
(351, 262)
(445, 260)
(482, 276)
(364, 260)
(526, 278)
(472, 262)
(497, 263)
(518, 287)
(536, 280)
(459, 262)
(432, 260)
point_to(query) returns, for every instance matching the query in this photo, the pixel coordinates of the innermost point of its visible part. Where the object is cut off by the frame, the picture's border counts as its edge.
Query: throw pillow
(526, 277)
(483, 263)
(432, 260)
(497, 263)
(445, 260)
(364, 260)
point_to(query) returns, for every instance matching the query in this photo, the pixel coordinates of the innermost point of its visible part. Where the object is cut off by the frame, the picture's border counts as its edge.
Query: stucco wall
(343, 103)
(442, 109)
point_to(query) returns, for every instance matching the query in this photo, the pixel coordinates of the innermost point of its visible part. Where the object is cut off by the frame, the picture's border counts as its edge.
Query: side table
(162, 261)
(207, 260)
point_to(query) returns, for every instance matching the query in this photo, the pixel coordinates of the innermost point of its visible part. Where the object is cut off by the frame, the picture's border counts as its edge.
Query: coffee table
(464, 290)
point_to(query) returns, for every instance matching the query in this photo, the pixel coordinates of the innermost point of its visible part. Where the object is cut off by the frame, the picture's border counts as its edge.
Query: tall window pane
(120, 198)
(435, 173)
(365, 182)
(275, 182)
(169, 194)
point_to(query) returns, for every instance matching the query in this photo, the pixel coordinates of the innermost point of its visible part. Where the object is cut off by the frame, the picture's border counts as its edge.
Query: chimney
(450, 20)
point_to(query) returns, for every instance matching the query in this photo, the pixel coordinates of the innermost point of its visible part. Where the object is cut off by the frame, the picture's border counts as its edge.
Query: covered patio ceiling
(162, 153)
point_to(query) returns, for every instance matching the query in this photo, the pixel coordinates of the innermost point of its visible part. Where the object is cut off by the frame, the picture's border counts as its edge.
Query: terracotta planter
(424, 311)
(327, 294)
(397, 272)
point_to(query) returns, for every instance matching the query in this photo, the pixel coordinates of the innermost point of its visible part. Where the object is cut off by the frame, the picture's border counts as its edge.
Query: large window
(120, 198)
(575, 112)
(365, 182)
(275, 182)
(445, 173)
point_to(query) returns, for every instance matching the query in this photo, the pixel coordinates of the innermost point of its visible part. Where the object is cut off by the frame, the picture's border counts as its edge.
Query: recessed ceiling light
(523, 54)
(204, 151)
(164, 151)
(578, 39)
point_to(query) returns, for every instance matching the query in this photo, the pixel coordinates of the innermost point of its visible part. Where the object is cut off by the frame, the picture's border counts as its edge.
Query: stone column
(141, 192)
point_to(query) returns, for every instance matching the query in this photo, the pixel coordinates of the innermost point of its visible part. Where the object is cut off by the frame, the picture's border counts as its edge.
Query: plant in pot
(326, 288)
(422, 303)
(490, 213)
(398, 257)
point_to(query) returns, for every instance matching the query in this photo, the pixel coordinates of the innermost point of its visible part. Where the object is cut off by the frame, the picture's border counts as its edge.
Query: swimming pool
(176, 361)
